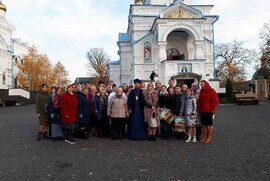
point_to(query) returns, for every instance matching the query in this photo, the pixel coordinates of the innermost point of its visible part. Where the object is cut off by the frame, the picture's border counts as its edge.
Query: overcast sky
(66, 29)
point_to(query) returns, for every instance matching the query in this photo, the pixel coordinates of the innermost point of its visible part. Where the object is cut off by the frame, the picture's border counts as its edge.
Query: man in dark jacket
(178, 101)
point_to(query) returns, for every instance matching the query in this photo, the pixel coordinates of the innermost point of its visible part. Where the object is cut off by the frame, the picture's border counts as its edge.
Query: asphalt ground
(240, 150)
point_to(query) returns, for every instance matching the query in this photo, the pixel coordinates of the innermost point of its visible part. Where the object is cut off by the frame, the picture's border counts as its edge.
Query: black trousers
(165, 129)
(68, 133)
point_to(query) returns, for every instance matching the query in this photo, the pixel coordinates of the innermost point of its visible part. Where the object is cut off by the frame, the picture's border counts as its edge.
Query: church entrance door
(187, 78)
(188, 82)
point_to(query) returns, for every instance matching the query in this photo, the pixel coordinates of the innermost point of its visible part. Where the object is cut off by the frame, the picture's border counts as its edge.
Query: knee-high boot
(204, 133)
(210, 134)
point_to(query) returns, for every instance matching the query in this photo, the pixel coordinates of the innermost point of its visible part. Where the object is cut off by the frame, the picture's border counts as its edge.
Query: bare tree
(265, 45)
(98, 61)
(232, 60)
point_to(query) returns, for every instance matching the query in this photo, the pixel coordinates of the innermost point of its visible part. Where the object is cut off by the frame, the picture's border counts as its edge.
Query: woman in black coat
(55, 115)
(84, 108)
(163, 97)
(100, 109)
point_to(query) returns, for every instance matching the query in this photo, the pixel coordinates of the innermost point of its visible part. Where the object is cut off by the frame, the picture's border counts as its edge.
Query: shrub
(229, 90)
(223, 101)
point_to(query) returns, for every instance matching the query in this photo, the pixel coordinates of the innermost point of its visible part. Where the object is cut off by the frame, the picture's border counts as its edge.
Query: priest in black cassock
(137, 128)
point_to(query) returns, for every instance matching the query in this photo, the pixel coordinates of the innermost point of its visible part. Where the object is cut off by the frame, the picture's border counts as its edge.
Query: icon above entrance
(187, 78)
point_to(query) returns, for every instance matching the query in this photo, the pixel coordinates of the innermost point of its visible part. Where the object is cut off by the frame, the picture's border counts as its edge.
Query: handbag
(154, 121)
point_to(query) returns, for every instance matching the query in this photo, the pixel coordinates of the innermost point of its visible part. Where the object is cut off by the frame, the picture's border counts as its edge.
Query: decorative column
(162, 55)
(162, 51)
(190, 53)
(199, 49)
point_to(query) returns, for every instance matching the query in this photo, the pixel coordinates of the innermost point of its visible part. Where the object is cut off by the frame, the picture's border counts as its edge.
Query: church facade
(173, 39)
(12, 51)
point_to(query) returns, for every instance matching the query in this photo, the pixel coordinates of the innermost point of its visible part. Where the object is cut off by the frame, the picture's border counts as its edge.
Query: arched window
(174, 54)
(147, 53)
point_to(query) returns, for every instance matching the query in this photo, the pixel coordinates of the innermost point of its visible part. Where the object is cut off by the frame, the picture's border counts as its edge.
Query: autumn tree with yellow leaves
(36, 69)
(60, 75)
(232, 62)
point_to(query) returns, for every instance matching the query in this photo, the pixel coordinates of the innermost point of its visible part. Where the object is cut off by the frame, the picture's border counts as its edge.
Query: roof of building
(83, 79)
(117, 62)
(123, 37)
(262, 73)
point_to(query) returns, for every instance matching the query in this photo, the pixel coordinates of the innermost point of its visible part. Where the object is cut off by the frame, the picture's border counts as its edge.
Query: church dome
(2, 6)
(262, 73)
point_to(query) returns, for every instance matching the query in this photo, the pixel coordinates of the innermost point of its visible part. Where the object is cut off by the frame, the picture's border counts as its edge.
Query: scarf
(55, 101)
(163, 93)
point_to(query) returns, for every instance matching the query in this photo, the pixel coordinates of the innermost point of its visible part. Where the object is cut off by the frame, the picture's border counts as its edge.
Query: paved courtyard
(240, 150)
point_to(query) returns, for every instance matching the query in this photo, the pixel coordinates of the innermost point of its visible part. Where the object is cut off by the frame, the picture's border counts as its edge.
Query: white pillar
(199, 49)
(162, 51)
(162, 55)
(156, 59)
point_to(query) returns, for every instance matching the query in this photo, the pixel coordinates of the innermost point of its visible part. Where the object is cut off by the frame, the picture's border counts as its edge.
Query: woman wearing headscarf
(118, 112)
(207, 103)
(69, 113)
(41, 100)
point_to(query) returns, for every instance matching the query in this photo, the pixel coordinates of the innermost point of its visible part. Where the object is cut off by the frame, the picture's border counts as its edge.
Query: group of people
(134, 112)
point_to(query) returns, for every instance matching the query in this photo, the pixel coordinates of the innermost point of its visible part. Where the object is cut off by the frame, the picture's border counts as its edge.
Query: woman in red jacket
(69, 115)
(207, 103)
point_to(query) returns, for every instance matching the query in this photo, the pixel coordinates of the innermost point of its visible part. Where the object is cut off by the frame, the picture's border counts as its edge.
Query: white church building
(12, 51)
(173, 38)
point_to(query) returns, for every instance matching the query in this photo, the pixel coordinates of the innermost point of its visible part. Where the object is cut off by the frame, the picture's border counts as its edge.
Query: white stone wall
(146, 10)
(115, 73)
(9, 49)
(4, 71)
(126, 58)
(192, 37)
